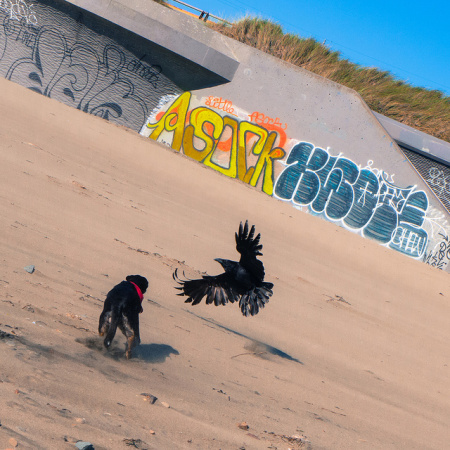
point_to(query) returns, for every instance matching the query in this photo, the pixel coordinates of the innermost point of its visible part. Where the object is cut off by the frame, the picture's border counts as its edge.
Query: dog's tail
(114, 318)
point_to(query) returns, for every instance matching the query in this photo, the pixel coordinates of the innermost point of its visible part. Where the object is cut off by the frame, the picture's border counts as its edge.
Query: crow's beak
(225, 263)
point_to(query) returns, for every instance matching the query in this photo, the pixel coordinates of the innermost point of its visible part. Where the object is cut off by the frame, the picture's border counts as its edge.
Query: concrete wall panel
(292, 134)
(318, 180)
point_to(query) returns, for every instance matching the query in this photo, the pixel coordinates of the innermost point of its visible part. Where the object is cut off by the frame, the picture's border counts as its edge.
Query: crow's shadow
(154, 353)
(259, 348)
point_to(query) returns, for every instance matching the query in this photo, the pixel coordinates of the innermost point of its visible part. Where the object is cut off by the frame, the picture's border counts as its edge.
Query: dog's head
(140, 281)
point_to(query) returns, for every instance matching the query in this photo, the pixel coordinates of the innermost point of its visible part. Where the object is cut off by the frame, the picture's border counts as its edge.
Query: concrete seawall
(288, 132)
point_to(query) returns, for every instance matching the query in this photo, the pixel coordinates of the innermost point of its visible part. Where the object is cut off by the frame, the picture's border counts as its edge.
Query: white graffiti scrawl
(19, 10)
(360, 199)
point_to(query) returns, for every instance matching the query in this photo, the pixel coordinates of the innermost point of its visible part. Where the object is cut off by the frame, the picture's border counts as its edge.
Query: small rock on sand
(30, 268)
(149, 398)
(243, 426)
(84, 445)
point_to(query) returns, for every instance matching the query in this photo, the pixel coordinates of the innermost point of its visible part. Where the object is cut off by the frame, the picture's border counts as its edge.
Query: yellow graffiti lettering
(265, 162)
(174, 120)
(205, 126)
(246, 130)
(238, 149)
(232, 169)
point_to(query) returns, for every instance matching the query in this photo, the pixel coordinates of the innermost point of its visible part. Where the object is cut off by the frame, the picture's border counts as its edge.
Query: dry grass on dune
(424, 109)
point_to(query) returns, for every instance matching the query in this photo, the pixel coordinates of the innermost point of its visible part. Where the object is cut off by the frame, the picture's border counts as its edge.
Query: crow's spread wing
(249, 247)
(217, 289)
(253, 300)
(243, 281)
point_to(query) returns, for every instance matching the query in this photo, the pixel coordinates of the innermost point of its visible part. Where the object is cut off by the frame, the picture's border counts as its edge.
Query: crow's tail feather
(252, 301)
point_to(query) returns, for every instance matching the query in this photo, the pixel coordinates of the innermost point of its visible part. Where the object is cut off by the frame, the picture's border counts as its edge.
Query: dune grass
(424, 109)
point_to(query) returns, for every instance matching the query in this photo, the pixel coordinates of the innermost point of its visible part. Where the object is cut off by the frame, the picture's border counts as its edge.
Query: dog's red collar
(141, 295)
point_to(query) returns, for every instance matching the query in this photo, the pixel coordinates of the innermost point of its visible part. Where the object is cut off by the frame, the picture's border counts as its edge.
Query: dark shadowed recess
(184, 73)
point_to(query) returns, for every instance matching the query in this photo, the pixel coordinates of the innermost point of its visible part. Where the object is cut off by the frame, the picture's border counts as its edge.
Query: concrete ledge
(137, 16)
(416, 140)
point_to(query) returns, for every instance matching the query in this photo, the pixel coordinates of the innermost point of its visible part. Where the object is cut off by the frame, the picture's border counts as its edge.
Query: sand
(351, 352)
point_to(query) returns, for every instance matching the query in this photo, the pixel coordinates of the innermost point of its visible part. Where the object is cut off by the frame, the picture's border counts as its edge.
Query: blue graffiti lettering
(362, 199)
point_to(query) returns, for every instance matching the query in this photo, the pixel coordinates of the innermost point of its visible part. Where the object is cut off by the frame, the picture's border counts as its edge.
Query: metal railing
(204, 15)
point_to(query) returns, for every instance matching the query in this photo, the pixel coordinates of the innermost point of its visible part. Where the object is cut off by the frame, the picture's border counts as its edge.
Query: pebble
(30, 268)
(149, 398)
(84, 445)
(243, 426)
(165, 404)
(80, 420)
(136, 443)
(29, 308)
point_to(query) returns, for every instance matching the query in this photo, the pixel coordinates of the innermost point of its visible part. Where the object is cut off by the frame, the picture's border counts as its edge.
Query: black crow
(243, 280)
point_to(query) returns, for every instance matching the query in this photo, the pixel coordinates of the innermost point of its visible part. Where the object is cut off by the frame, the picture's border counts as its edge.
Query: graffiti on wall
(439, 180)
(255, 149)
(18, 10)
(92, 74)
(361, 199)
(229, 143)
(439, 256)
(434, 173)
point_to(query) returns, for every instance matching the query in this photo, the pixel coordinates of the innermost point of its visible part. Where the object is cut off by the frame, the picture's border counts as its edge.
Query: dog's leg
(114, 321)
(134, 325)
(130, 346)
(132, 338)
(104, 322)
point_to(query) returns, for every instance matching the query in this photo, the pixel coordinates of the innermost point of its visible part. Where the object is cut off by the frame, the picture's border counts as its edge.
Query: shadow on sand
(154, 353)
(151, 353)
(254, 346)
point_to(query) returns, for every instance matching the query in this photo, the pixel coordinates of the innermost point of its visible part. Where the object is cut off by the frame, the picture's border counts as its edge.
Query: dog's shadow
(153, 353)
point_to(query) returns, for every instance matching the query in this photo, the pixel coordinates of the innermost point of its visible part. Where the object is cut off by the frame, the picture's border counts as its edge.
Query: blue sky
(409, 39)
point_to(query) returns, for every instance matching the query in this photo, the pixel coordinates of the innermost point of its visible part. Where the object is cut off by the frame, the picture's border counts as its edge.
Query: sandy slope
(351, 352)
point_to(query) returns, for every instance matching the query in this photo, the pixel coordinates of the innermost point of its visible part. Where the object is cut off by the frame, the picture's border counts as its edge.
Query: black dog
(121, 309)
